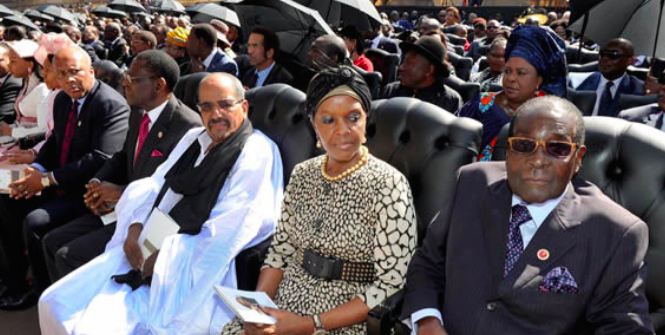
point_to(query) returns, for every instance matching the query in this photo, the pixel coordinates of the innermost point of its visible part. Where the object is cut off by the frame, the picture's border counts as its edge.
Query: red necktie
(69, 133)
(143, 133)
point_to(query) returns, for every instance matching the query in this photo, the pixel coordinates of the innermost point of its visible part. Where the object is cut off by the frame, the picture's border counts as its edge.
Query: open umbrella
(640, 21)
(39, 16)
(296, 25)
(167, 6)
(205, 11)
(4, 11)
(103, 11)
(57, 12)
(360, 13)
(19, 20)
(128, 6)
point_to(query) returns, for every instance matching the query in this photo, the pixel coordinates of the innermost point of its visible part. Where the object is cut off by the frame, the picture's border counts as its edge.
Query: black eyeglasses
(224, 105)
(611, 54)
(127, 78)
(558, 149)
(492, 27)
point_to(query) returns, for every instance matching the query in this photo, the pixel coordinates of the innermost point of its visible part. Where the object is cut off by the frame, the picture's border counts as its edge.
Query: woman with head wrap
(535, 66)
(48, 45)
(345, 208)
(175, 46)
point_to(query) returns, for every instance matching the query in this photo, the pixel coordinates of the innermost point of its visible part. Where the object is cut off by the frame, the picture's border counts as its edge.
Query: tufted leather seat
(456, 40)
(384, 62)
(278, 111)
(585, 67)
(625, 161)
(584, 100)
(627, 101)
(462, 65)
(575, 56)
(373, 80)
(187, 89)
(467, 90)
(426, 144)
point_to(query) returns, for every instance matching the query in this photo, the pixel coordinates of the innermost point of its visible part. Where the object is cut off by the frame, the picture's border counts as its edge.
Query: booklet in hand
(248, 305)
(10, 174)
(158, 227)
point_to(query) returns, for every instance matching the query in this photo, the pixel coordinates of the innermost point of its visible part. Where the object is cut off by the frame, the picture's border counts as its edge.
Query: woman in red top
(354, 43)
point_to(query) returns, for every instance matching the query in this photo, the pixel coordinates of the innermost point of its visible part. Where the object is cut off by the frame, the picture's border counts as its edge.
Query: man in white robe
(180, 299)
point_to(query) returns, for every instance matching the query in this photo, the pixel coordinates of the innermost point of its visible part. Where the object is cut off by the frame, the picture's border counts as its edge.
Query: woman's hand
(287, 324)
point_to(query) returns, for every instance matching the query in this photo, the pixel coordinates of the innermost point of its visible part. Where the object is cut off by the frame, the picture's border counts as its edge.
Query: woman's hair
(333, 77)
(36, 68)
(455, 12)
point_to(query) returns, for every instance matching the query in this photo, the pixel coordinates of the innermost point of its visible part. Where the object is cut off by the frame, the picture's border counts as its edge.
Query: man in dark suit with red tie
(155, 127)
(90, 124)
(526, 247)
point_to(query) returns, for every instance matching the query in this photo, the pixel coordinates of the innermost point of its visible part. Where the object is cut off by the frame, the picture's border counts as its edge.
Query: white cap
(25, 48)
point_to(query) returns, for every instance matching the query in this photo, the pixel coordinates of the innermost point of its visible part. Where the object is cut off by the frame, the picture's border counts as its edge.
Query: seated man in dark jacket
(421, 75)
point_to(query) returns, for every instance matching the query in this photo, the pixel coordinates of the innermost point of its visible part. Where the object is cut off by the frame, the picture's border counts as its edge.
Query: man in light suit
(89, 125)
(9, 88)
(155, 127)
(205, 55)
(612, 80)
(565, 259)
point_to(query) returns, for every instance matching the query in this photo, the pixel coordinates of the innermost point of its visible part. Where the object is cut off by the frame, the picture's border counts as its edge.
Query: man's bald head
(74, 71)
(327, 50)
(429, 27)
(624, 44)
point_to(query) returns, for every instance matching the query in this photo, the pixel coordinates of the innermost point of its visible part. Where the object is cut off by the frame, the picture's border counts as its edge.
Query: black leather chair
(187, 89)
(373, 80)
(584, 100)
(482, 63)
(638, 72)
(384, 62)
(467, 90)
(576, 56)
(278, 111)
(427, 144)
(243, 64)
(456, 40)
(627, 101)
(625, 161)
(461, 64)
(586, 67)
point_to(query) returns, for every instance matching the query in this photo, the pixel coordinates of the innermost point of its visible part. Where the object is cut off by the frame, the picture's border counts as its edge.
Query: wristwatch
(45, 181)
(318, 326)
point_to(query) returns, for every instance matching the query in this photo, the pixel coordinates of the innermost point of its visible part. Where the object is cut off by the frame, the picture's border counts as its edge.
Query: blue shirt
(263, 74)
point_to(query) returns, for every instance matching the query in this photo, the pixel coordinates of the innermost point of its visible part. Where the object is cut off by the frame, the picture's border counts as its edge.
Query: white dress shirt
(601, 89)
(539, 212)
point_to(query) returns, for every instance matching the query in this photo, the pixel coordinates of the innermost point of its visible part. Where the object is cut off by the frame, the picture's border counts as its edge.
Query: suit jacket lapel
(556, 235)
(272, 74)
(495, 222)
(591, 83)
(132, 138)
(161, 126)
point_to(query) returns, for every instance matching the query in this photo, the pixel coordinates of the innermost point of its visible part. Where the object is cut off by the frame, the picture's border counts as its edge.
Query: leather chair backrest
(625, 160)
(575, 56)
(278, 111)
(384, 62)
(467, 90)
(187, 89)
(495, 88)
(638, 72)
(584, 100)
(243, 64)
(456, 40)
(373, 80)
(482, 63)
(459, 49)
(462, 65)
(627, 101)
(484, 49)
(425, 143)
(585, 67)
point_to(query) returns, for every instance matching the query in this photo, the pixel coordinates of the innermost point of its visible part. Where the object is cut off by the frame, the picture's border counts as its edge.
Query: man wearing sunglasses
(611, 79)
(478, 45)
(527, 247)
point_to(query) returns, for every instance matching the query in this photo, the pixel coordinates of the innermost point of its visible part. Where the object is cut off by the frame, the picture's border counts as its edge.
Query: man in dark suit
(206, 57)
(263, 48)
(612, 80)
(91, 38)
(90, 124)
(116, 46)
(651, 115)
(155, 127)
(9, 88)
(376, 40)
(565, 259)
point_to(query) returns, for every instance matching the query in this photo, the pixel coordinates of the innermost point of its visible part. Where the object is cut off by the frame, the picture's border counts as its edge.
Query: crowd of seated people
(91, 109)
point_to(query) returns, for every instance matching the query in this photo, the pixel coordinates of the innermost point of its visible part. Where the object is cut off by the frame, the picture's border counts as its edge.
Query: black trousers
(72, 245)
(23, 223)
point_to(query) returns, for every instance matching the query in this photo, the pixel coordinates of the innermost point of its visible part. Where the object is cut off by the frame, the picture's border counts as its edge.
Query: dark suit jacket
(459, 268)
(222, 63)
(278, 75)
(174, 121)
(117, 53)
(388, 45)
(8, 92)
(100, 132)
(642, 114)
(629, 85)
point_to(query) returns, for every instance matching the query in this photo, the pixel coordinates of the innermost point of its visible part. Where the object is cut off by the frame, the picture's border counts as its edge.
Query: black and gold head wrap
(336, 81)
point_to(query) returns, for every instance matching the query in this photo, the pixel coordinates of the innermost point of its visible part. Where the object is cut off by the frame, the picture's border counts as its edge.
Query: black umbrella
(360, 13)
(296, 25)
(19, 20)
(57, 12)
(639, 21)
(4, 11)
(103, 11)
(39, 16)
(128, 6)
(205, 11)
(167, 6)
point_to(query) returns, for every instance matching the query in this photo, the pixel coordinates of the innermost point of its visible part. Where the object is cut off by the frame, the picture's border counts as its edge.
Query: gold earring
(318, 144)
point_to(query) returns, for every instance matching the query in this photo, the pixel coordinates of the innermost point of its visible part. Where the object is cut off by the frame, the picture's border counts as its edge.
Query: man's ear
(579, 158)
(270, 54)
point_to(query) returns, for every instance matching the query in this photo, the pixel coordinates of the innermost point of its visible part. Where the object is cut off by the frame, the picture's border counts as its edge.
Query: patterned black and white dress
(365, 217)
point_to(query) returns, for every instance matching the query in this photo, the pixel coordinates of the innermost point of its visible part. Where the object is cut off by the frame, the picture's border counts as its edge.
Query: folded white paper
(158, 227)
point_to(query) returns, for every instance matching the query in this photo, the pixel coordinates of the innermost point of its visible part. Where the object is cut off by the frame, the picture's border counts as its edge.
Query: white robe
(181, 299)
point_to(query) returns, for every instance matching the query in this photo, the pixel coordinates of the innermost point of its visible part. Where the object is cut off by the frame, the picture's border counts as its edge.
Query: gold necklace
(347, 172)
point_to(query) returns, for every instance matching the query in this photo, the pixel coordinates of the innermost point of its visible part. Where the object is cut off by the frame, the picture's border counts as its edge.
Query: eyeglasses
(611, 54)
(558, 149)
(224, 105)
(492, 27)
(479, 26)
(131, 80)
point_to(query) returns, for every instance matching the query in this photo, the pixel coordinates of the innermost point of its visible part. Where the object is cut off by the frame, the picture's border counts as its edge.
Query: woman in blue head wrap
(535, 66)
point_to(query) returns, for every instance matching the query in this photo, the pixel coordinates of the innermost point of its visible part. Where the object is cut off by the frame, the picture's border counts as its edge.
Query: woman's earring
(318, 144)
